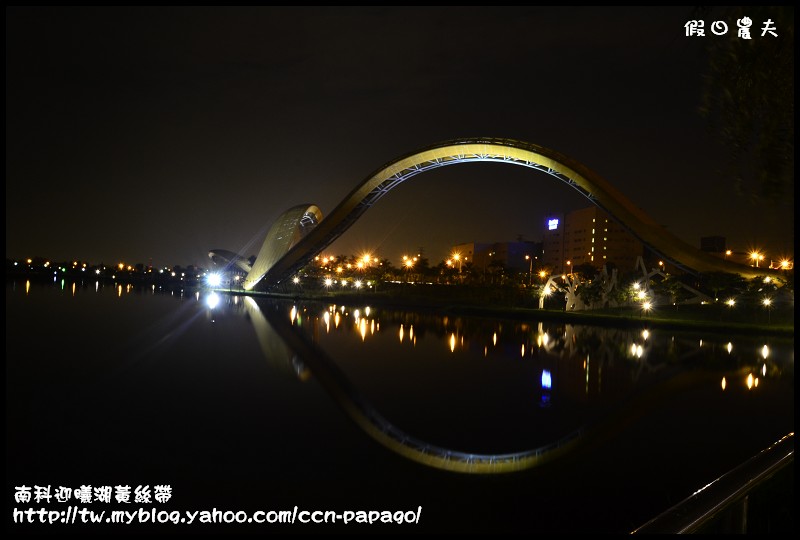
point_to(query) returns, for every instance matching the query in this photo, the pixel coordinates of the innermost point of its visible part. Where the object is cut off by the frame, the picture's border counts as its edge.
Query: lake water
(246, 404)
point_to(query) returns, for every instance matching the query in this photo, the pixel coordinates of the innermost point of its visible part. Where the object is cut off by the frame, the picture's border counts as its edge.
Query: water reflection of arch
(298, 350)
(274, 348)
(306, 355)
(565, 169)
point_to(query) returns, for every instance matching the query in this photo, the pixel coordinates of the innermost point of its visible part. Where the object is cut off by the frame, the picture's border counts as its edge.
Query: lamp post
(530, 269)
(457, 257)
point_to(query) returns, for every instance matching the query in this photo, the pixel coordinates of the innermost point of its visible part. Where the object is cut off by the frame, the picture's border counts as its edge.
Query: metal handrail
(703, 506)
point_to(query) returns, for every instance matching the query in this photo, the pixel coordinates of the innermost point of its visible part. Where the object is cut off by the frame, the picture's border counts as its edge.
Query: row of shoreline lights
(757, 257)
(636, 350)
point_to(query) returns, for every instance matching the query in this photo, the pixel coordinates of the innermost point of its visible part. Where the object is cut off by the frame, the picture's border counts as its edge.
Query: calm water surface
(256, 404)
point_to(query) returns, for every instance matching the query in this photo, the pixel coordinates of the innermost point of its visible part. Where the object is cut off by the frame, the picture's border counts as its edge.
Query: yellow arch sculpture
(571, 172)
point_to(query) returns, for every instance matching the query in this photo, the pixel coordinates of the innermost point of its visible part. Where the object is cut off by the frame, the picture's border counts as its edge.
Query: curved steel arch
(568, 170)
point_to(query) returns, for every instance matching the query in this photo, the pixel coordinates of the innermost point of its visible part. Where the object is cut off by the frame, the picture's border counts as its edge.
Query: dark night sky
(155, 134)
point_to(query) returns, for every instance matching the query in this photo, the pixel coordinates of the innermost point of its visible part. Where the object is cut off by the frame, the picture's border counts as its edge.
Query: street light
(457, 257)
(728, 253)
(530, 269)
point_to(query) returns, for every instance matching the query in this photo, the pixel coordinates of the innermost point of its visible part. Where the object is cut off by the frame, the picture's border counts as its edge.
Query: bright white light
(212, 300)
(214, 280)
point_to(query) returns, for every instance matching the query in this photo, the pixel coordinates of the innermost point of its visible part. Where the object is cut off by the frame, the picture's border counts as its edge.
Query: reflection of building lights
(212, 300)
(724, 383)
(452, 342)
(645, 334)
(730, 347)
(765, 352)
(750, 381)
(494, 338)
(547, 380)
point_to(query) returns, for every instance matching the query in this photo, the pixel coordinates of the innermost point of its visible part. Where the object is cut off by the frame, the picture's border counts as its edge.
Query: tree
(591, 291)
(748, 99)
(674, 288)
(724, 283)
(585, 270)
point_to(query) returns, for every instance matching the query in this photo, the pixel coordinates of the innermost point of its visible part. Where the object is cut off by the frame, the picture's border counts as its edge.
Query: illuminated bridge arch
(569, 171)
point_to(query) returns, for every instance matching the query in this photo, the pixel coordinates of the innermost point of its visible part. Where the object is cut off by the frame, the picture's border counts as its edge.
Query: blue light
(546, 379)
(552, 224)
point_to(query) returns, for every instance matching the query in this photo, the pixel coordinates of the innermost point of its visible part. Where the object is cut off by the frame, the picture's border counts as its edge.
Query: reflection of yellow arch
(590, 184)
(335, 382)
(274, 324)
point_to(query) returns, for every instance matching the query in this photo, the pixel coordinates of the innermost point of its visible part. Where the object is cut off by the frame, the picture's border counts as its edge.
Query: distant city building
(512, 255)
(713, 244)
(588, 236)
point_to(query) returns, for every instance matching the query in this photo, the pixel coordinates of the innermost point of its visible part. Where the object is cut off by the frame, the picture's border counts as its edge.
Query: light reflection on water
(577, 373)
(463, 383)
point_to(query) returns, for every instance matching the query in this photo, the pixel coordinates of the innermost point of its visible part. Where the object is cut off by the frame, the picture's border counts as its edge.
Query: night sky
(153, 135)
